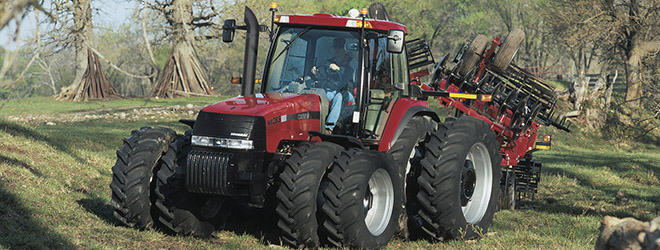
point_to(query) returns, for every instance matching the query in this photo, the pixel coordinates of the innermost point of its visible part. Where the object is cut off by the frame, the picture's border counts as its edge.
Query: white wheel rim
(378, 202)
(478, 204)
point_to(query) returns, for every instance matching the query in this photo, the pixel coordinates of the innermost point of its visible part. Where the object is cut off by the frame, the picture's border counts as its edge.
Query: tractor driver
(338, 74)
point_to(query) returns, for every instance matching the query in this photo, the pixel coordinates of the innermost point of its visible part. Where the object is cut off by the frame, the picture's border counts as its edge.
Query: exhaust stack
(250, 57)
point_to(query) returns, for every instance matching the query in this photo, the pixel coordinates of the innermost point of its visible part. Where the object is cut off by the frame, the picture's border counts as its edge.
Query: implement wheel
(132, 176)
(508, 191)
(472, 55)
(362, 200)
(298, 189)
(508, 49)
(459, 181)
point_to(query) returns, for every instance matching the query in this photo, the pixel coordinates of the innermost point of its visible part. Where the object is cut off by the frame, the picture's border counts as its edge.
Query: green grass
(54, 190)
(560, 85)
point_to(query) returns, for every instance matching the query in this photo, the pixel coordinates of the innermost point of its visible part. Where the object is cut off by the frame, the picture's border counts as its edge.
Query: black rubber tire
(508, 49)
(344, 193)
(440, 215)
(507, 192)
(298, 188)
(411, 140)
(132, 185)
(471, 55)
(179, 211)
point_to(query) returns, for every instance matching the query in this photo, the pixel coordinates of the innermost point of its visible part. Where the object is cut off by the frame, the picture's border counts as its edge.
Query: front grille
(229, 126)
(207, 172)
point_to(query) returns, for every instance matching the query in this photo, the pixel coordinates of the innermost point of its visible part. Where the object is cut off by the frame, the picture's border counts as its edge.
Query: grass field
(54, 188)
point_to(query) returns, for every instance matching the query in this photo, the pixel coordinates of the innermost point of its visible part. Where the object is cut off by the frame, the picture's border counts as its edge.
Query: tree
(183, 75)
(621, 30)
(11, 9)
(637, 36)
(536, 48)
(90, 82)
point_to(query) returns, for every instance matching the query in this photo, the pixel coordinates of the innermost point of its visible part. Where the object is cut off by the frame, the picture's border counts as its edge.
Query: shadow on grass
(21, 131)
(12, 161)
(98, 207)
(259, 223)
(21, 231)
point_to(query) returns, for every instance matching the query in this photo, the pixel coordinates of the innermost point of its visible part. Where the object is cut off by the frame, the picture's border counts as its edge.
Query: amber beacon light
(364, 12)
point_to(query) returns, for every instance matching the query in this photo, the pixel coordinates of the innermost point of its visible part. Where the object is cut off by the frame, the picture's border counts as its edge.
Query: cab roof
(320, 19)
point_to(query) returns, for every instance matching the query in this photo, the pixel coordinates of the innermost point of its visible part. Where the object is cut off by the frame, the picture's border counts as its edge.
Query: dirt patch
(131, 113)
(11, 149)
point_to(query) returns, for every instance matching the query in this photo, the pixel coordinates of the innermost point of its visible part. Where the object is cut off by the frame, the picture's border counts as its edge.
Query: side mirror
(395, 41)
(228, 30)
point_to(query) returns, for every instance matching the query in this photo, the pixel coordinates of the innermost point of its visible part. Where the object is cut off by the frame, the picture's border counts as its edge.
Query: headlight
(206, 141)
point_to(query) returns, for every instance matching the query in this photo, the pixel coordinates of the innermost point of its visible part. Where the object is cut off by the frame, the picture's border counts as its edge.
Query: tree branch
(207, 37)
(146, 39)
(207, 17)
(117, 67)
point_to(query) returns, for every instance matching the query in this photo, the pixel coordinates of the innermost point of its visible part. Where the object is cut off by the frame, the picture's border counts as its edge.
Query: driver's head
(338, 46)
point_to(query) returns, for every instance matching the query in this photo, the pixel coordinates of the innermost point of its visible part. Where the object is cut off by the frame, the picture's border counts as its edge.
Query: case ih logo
(275, 120)
(298, 116)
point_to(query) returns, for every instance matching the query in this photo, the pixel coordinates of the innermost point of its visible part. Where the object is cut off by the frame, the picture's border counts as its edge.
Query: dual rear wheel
(362, 198)
(343, 198)
(458, 181)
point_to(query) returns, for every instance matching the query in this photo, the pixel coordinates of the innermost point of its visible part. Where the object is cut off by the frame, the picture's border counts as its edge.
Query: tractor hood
(285, 117)
(266, 105)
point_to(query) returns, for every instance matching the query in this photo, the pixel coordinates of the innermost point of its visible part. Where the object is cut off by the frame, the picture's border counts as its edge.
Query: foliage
(622, 32)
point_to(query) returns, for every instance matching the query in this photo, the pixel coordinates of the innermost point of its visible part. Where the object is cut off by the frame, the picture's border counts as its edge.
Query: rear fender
(404, 110)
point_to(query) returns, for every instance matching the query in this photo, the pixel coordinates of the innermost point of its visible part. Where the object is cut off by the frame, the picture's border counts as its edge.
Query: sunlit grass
(47, 105)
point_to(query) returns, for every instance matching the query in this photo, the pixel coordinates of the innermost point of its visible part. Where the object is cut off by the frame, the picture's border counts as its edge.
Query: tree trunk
(633, 70)
(633, 83)
(608, 92)
(90, 82)
(183, 74)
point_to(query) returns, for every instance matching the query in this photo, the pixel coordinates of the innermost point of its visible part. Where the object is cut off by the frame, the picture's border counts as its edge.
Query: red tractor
(340, 141)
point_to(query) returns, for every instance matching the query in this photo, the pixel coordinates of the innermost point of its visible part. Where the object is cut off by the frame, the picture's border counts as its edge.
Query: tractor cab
(321, 54)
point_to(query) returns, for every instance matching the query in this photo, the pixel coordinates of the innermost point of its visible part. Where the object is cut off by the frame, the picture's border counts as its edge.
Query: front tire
(459, 182)
(298, 189)
(132, 186)
(407, 151)
(179, 211)
(362, 200)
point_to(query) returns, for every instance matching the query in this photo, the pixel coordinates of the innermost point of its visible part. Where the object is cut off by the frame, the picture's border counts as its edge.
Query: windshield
(305, 58)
